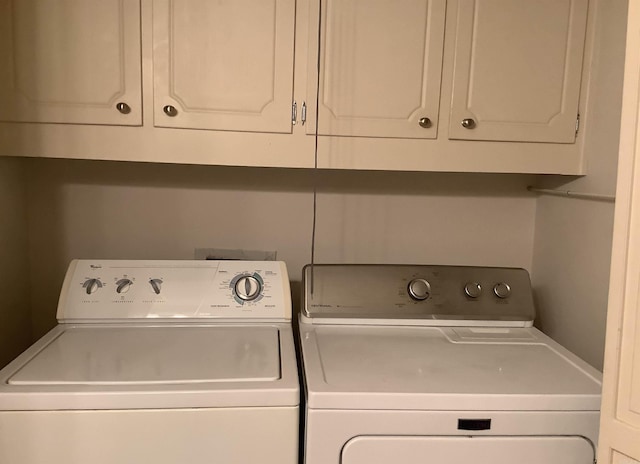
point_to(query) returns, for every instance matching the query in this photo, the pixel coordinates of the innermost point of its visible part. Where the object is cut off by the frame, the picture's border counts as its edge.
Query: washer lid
(431, 368)
(155, 355)
(102, 366)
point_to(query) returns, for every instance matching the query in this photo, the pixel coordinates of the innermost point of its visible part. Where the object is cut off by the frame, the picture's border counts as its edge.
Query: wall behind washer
(15, 325)
(93, 209)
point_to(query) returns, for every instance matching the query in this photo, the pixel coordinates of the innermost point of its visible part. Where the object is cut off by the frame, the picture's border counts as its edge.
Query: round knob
(123, 108)
(123, 285)
(156, 285)
(502, 290)
(419, 289)
(248, 288)
(92, 285)
(473, 289)
(425, 122)
(170, 110)
(468, 123)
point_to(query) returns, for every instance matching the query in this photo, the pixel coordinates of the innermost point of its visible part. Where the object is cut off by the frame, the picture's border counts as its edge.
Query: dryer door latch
(474, 424)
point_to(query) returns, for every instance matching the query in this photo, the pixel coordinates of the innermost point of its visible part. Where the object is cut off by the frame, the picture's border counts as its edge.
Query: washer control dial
(92, 285)
(123, 285)
(473, 289)
(156, 285)
(502, 290)
(248, 288)
(419, 289)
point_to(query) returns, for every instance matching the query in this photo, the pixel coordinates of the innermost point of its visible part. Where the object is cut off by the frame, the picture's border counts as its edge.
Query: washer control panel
(114, 289)
(444, 295)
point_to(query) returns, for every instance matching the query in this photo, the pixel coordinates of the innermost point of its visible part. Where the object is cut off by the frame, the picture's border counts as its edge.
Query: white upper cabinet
(70, 61)
(518, 67)
(380, 67)
(224, 64)
(394, 80)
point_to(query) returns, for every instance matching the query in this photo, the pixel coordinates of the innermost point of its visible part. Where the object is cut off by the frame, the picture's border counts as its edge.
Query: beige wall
(15, 326)
(84, 209)
(572, 248)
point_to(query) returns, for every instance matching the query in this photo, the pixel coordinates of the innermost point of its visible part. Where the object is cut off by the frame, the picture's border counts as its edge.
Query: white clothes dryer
(163, 362)
(418, 364)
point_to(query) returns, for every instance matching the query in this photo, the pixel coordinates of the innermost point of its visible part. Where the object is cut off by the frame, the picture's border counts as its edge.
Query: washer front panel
(265, 435)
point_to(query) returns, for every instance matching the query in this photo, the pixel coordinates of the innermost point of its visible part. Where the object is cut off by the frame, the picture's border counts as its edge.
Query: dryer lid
(129, 356)
(432, 368)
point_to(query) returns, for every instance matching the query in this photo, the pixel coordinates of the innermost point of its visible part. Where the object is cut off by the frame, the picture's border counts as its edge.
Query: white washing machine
(415, 364)
(158, 362)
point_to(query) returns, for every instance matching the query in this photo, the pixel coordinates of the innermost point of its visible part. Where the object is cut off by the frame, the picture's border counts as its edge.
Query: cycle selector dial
(419, 289)
(248, 288)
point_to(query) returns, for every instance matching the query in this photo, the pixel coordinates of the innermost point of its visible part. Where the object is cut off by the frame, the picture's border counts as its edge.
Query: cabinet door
(225, 64)
(518, 67)
(380, 67)
(620, 420)
(70, 61)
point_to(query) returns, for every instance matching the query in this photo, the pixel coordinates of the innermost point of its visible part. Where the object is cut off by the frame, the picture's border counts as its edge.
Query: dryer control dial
(502, 290)
(419, 289)
(248, 288)
(473, 289)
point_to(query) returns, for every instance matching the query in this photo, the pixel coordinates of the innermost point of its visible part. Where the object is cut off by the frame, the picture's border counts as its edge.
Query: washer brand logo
(321, 306)
(95, 266)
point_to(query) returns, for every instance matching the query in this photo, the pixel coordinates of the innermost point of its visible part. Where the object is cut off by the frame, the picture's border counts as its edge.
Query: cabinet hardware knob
(123, 107)
(468, 123)
(425, 122)
(170, 110)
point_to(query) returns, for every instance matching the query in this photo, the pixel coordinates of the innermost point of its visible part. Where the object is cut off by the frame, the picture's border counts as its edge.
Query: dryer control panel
(115, 289)
(424, 294)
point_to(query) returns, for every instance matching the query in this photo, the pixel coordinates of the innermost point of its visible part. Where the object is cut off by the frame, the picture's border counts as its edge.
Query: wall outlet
(246, 255)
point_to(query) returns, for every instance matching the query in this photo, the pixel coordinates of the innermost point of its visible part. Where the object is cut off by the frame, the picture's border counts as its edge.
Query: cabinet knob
(468, 123)
(425, 122)
(170, 110)
(123, 107)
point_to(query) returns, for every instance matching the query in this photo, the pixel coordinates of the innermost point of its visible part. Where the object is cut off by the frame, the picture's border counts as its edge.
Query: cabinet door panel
(70, 61)
(518, 68)
(619, 441)
(224, 65)
(381, 63)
